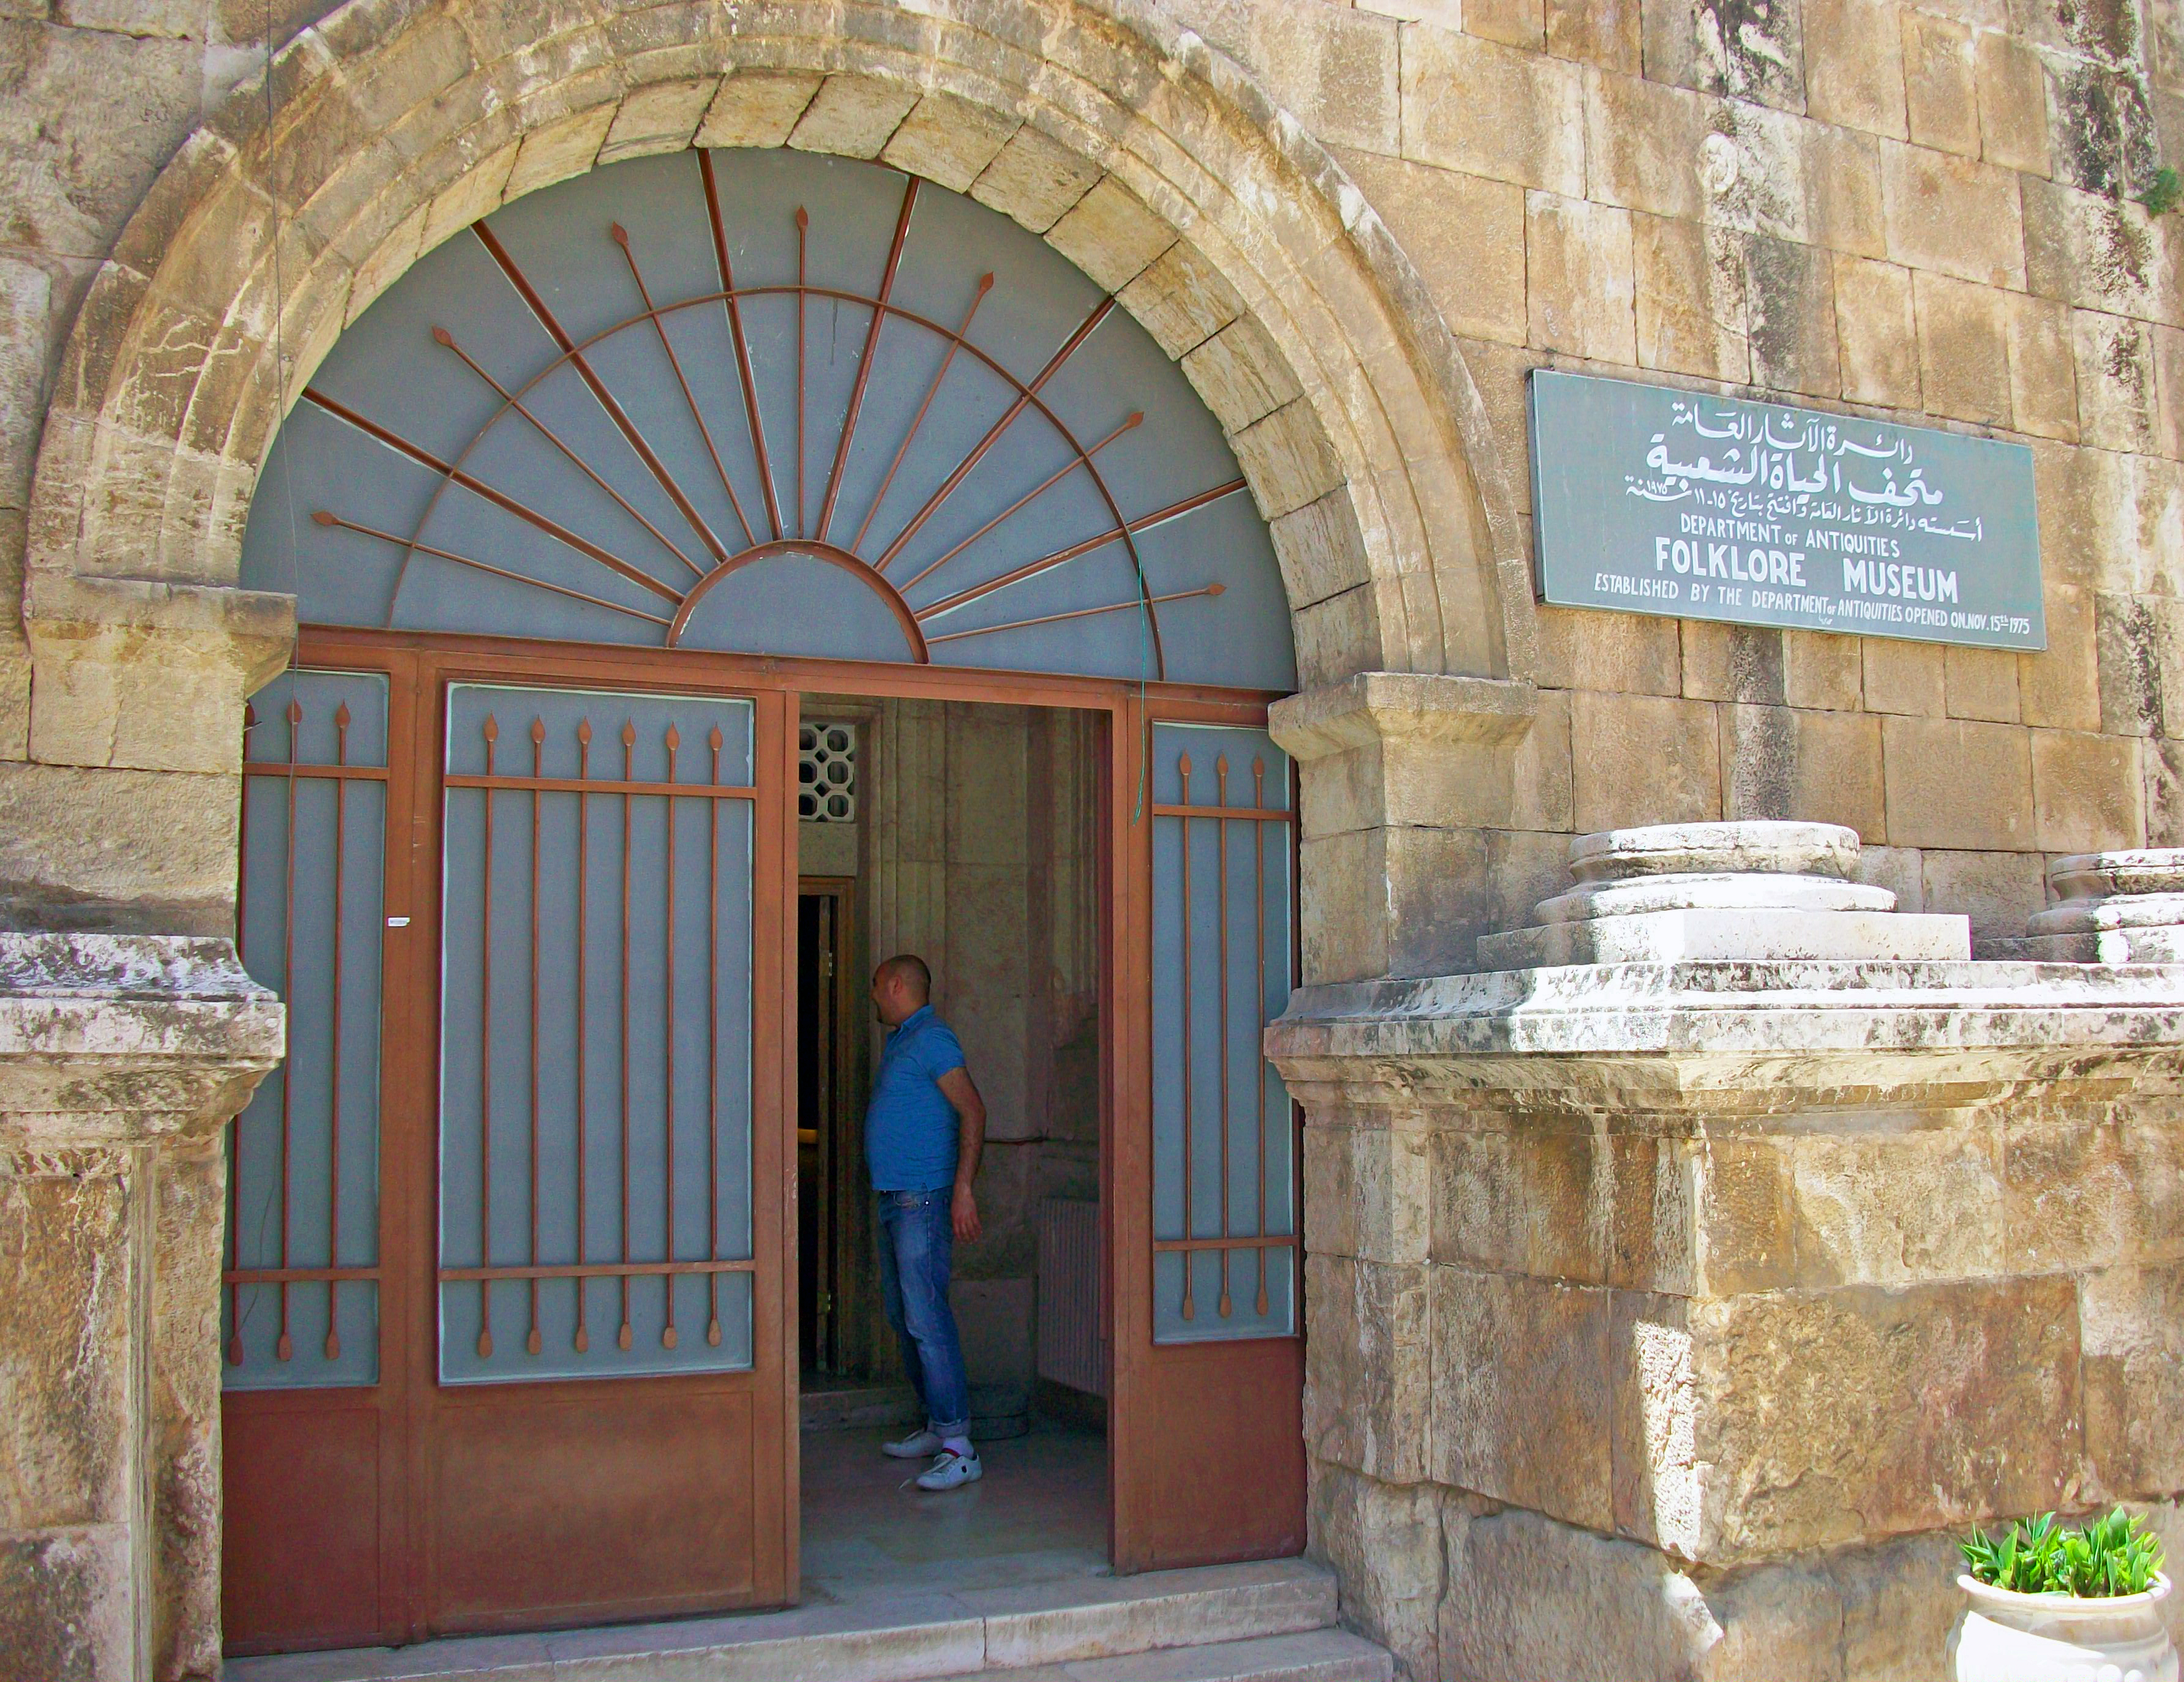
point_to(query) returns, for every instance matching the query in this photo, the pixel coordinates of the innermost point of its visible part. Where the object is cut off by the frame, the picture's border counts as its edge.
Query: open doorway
(965, 833)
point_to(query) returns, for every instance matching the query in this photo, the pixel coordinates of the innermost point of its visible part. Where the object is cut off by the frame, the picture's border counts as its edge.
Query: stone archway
(1153, 162)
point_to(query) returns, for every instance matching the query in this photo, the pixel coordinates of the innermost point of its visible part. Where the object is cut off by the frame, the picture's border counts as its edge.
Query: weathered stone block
(1997, 891)
(1939, 85)
(1905, 677)
(1798, 1419)
(1645, 144)
(1789, 300)
(1784, 762)
(1182, 299)
(1602, 32)
(853, 116)
(2086, 792)
(2060, 685)
(65, 1605)
(2110, 522)
(1963, 353)
(1689, 295)
(1749, 51)
(756, 107)
(1287, 459)
(1642, 759)
(948, 140)
(1111, 235)
(2133, 1366)
(1578, 277)
(1853, 66)
(1951, 216)
(1466, 235)
(2085, 248)
(558, 150)
(1898, 1207)
(2013, 103)
(2091, 1191)
(2044, 377)
(1533, 1433)
(1369, 1185)
(1034, 178)
(1623, 651)
(1492, 110)
(1383, 1542)
(2136, 637)
(1242, 374)
(1531, 1193)
(72, 849)
(661, 117)
(1369, 1383)
(1877, 332)
(1822, 669)
(1335, 69)
(1987, 769)
(1981, 684)
(2119, 405)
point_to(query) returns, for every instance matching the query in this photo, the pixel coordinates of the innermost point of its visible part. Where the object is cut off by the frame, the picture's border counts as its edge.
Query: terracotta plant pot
(2010, 1637)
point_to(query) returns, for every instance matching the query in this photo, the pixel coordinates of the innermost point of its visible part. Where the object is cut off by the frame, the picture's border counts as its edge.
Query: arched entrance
(576, 517)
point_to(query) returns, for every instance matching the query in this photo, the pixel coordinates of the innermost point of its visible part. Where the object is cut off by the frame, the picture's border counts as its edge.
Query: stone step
(1057, 1628)
(1311, 1655)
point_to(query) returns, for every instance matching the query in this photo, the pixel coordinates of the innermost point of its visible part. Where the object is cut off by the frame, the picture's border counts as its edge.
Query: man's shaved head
(909, 969)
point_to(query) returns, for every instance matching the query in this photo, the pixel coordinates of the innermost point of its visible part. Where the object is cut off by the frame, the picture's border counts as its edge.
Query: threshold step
(1312, 1656)
(1037, 1632)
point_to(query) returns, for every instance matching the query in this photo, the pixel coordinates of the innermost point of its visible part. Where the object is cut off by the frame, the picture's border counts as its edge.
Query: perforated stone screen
(827, 772)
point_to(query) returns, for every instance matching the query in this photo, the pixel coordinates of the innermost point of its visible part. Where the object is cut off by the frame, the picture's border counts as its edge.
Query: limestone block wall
(1914, 208)
(1711, 1385)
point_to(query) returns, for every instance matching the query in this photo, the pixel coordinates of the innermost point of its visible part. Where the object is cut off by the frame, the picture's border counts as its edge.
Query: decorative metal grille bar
(623, 982)
(303, 1229)
(1224, 1138)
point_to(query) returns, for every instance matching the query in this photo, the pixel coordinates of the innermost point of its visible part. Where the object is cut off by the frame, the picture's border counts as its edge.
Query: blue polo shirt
(910, 1125)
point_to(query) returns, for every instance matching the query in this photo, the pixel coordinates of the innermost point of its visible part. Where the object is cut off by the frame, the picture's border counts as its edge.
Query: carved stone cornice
(127, 1038)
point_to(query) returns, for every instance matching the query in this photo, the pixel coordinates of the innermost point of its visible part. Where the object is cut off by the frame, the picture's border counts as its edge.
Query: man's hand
(965, 1208)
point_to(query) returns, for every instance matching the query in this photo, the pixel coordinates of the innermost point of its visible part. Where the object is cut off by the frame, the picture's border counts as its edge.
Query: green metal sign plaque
(1653, 500)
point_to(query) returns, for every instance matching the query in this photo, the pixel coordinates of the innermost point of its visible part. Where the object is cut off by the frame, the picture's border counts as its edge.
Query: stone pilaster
(121, 1058)
(1684, 1309)
(1405, 778)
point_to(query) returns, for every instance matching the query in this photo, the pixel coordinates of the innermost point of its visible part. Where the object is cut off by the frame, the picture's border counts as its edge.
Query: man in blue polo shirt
(924, 1130)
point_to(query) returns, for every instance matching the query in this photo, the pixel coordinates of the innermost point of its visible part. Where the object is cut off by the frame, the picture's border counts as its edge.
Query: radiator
(1073, 1332)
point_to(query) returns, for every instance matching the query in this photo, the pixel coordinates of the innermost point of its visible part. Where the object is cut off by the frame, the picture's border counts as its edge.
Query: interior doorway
(966, 832)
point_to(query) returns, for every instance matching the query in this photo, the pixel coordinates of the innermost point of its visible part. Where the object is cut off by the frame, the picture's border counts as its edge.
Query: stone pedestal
(1670, 1317)
(121, 1057)
(2110, 908)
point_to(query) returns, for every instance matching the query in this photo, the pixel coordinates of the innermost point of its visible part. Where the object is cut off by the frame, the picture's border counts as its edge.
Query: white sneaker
(917, 1446)
(950, 1471)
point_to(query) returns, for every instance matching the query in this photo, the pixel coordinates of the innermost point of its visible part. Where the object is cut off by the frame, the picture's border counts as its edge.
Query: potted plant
(2053, 1604)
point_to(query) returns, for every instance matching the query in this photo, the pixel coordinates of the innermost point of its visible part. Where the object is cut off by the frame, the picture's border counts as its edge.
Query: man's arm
(971, 1143)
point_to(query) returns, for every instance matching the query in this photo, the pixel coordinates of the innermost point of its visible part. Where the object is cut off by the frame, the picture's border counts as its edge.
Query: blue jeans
(917, 1242)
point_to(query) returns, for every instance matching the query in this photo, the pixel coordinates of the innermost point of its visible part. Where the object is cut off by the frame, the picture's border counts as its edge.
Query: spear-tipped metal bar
(751, 415)
(963, 471)
(864, 363)
(977, 297)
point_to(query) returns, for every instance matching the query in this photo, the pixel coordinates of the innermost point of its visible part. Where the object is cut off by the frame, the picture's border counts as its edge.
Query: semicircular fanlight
(771, 402)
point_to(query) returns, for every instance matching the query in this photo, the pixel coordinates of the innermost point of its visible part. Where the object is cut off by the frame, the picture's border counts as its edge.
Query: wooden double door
(510, 1316)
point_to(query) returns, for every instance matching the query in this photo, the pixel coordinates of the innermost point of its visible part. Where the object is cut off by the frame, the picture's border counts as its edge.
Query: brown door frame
(833, 1178)
(407, 1396)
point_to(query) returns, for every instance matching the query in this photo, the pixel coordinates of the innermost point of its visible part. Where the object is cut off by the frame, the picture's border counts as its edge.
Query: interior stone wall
(977, 853)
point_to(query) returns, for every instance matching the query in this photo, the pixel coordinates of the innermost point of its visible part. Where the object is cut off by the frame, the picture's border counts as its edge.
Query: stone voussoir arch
(1155, 162)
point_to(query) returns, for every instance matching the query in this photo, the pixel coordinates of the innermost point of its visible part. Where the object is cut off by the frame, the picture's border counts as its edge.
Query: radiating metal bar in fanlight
(1036, 490)
(324, 518)
(962, 471)
(440, 336)
(751, 415)
(1135, 605)
(864, 363)
(500, 500)
(659, 330)
(803, 234)
(1032, 569)
(977, 297)
(598, 387)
